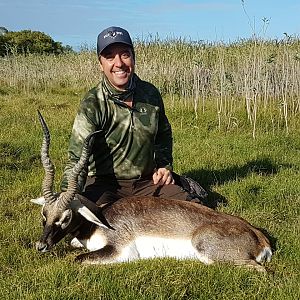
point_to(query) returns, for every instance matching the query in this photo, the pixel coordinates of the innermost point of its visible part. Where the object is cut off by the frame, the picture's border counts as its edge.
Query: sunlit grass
(260, 76)
(257, 179)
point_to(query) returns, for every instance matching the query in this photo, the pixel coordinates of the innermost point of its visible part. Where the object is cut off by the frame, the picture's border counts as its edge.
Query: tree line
(27, 41)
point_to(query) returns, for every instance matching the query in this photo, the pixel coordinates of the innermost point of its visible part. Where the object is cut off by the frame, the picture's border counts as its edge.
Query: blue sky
(78, 22)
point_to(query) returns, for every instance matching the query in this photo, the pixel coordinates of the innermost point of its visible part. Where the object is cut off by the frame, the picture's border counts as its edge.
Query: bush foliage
(27, 41)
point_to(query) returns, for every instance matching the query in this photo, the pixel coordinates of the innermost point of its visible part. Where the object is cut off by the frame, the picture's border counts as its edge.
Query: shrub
(27, 41)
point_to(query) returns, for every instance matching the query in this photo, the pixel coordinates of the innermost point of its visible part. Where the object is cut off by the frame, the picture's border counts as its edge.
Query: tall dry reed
(263, 76)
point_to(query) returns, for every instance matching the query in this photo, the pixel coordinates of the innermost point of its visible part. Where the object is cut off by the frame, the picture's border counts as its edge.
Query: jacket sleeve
(163, 142)
(84, 124)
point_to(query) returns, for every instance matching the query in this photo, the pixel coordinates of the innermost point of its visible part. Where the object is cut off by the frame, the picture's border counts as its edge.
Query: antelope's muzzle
(41, 246)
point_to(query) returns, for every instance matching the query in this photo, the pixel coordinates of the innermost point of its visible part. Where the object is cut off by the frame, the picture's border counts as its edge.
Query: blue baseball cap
(112, 35)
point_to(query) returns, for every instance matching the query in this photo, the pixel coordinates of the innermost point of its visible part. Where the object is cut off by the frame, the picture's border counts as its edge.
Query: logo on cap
(112, 34)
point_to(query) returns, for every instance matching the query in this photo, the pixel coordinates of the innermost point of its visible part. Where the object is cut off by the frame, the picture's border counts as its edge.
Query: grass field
(253, 176)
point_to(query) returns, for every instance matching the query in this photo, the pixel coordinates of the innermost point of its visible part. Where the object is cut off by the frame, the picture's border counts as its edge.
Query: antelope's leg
(107, 254)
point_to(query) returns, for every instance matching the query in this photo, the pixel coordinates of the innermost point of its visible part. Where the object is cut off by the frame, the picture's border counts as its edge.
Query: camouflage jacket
(134, 142)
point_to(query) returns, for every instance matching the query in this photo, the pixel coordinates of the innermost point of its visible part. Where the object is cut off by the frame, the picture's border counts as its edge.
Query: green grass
(257, 179)
(261, 75)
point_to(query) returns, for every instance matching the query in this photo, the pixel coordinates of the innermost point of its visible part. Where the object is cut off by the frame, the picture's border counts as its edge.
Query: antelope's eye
(65, 223)
(57, 222)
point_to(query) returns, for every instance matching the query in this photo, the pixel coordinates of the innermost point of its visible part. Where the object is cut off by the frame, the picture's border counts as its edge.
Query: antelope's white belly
(95, 242)
(144, 247)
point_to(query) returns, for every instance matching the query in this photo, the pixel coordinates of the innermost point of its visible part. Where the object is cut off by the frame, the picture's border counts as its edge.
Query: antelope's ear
(39, 201)
(77, 206)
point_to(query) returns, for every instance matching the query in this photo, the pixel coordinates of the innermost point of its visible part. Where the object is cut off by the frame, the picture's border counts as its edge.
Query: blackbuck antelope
(143, 227)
